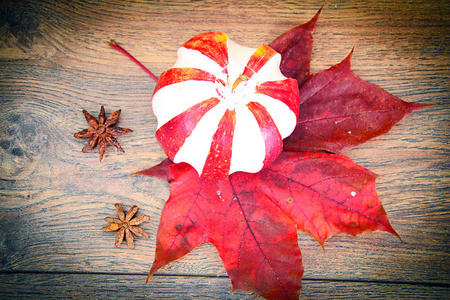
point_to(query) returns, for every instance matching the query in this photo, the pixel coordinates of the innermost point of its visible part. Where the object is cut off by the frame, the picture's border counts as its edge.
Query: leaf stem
(116, 46)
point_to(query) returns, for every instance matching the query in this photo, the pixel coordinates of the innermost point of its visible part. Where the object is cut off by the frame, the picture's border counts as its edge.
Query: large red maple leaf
(252, 219)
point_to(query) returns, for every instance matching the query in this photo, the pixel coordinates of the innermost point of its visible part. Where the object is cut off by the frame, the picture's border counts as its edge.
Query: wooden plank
(53, 197)
(104, 286)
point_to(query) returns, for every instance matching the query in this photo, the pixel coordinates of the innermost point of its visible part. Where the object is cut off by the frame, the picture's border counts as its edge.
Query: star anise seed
(101, 132)
(126, 225)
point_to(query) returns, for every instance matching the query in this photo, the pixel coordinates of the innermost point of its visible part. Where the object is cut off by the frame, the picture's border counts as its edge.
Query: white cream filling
(238, 57)
(270, 71)
(241, 95)
(196, 147)
(171, 100)
(284, 118)
(248, 145)
(189, 58)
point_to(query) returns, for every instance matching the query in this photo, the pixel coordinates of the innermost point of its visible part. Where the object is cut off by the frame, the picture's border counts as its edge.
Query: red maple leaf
(252, 219)
(295, 47)
(338, 110)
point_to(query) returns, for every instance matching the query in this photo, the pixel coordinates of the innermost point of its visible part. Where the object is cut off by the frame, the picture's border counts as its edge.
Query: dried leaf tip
(126, 225)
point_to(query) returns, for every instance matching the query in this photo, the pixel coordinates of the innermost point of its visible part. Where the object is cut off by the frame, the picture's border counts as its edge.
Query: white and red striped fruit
(224, 107)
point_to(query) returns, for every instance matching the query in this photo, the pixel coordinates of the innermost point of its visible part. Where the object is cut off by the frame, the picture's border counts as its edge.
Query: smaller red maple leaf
(339, 110)
(102, 132)
(295, 47)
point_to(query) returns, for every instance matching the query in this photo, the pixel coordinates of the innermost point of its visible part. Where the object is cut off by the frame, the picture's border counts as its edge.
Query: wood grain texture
(54, 62)
(77, 286)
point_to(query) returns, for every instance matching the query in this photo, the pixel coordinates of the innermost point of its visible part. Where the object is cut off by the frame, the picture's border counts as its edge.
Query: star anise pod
(102, 132)
(126, 226)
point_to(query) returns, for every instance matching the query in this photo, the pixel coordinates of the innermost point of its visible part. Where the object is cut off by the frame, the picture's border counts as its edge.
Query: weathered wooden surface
(103, 286)
(53, 198)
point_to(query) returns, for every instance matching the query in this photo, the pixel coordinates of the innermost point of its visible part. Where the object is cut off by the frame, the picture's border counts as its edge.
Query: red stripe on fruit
(218, 162)
(271, 135)
(171, 136)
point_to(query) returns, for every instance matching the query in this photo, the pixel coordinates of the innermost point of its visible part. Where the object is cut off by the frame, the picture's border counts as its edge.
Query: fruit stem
(240, 79)
(116, 46)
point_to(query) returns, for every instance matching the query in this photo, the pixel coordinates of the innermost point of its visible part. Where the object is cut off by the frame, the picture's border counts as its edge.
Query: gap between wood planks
(311, 279)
